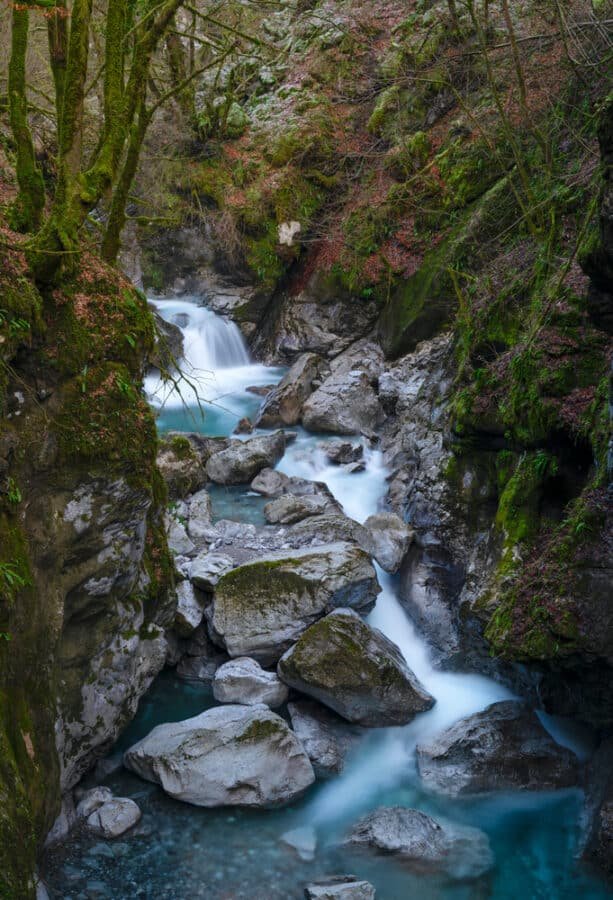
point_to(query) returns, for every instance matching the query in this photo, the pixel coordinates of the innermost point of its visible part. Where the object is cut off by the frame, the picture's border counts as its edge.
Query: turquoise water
(180, 852)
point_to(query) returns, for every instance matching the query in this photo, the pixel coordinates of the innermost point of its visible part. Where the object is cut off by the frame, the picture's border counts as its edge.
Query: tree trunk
(30, 202)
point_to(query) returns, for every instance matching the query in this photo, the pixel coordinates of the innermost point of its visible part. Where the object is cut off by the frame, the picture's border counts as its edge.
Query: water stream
(181, 852)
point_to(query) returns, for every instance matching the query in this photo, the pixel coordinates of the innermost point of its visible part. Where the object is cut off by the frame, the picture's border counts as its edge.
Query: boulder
(270, 483)
(503, 747)
(114, 817)
(390, 538)
(180, 466)
(340, 887)
(339, 453)
(283, 405)
(356, 671)
(243, 680)
(206, 570)
(92, 800)
(242, 460)
(226, 756)
(200, 515)
(261, 608)
(179, 542)
(244, 426)
(344, 404)
(425, 844)
(326, 737)
(190, 609)
(288, 509)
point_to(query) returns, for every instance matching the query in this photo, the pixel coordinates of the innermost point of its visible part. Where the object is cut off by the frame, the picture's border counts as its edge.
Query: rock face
(227, 756)
(504, 747)
(342, 887)
(242, 460)
(424, 844)
(390, 539)
(283, 405)
(326, 738)
(114, 817)
(244, 681)
(356, 671)
(344, 404)
(261, 608)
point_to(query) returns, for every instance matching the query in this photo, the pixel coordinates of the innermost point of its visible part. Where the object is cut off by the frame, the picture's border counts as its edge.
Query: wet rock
(245, 426)
(501, 748)
(326, 737)
(340, 453)
(92, 800)
(283, 406)
(259, 609)
(332, 527)
(114, 817)
(200, 515)
(390, 538)
(340, 887)
(242, 460)
(190, 609)
(303, 840)
(243, 680)
(356, 671)
(226, 756)
(344, 404)
(206, 570)
(168, 348)
(270, 483)
(288, 509)
(180, 466)
(425, 844)
(260, 390)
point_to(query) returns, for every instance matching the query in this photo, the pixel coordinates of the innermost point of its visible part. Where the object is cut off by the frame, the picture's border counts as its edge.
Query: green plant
(13, 492)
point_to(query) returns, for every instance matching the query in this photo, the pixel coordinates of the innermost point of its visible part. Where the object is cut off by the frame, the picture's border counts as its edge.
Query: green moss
(260, 730)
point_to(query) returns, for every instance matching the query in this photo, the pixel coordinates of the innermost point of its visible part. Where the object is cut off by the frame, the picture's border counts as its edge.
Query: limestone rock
(242, 460)
(92, 800)
(326, 737)
(114, 817)
(180, 466)
(244, 681)
(425, 844)
(288, 509)
(226, 756)
(200, 515)
(206, 570)
(344, 404)
(283, 405)
(340, 453)
(356, 671)
(270, 483)
(503, 747)
(179, 543)
(390, 538)
(341, 887)
(303, 840)
(260, 609)
(190, 609)
(64, 821)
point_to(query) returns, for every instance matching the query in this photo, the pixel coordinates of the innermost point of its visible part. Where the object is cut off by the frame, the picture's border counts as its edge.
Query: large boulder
(503, 747)
(326, 737)
(283, 405)
(261, 608)
(344, 404)
(340, 887)
(423, 843)
(242, 460)
(356, 671)
(245, 681)
(289, 509)
(389, 538)
(226, 756)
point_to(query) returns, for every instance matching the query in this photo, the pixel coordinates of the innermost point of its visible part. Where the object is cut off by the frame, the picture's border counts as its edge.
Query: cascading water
(221, 854)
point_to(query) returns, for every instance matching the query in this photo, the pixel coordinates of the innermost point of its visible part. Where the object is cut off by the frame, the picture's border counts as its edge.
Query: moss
(181, 447)
(260, 730)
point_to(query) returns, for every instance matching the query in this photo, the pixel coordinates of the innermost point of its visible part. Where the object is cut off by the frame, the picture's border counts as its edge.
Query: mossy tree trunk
(28, 209)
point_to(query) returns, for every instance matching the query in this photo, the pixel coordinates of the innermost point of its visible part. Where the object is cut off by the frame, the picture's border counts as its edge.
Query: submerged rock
(501, 748)
(303, 840)
(242, 460)
(261, 608)
(114, 817)
(424, 844)
(356, 671)
(283, 405)
(326, 737)
(340, 887)
(226, 756)
(344, 404)
(390, 538)
(245, 681)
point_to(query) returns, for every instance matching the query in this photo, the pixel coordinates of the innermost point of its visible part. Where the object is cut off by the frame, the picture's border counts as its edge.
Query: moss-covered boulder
(356, 671)
(227, 756)
(261, 608)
